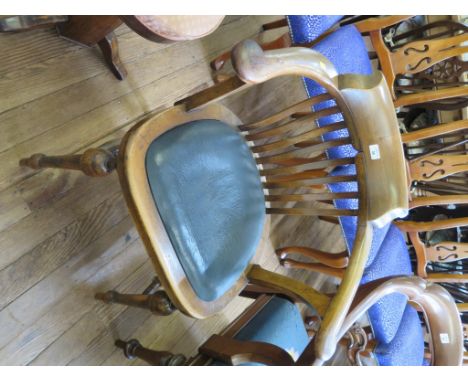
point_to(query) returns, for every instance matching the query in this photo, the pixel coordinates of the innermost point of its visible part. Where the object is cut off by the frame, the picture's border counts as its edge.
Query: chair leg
(99, 161)
(133, 349)
(157, 303)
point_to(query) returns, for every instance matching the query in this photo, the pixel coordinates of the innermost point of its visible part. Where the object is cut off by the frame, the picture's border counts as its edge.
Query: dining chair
(194, 187)
(88, 30)
(419, 57)
(271, 332)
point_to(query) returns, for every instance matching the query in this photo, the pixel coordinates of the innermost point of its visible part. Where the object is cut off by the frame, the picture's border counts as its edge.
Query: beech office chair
(200, 193)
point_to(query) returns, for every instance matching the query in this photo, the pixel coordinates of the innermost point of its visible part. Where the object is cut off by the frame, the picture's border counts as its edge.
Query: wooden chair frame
(357, 97)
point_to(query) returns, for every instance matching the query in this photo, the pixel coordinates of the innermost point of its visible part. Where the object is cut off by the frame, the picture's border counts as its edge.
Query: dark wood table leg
(92, 30)
(110, 49)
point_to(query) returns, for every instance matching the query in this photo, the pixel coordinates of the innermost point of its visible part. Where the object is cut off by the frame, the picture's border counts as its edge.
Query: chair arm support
(292, 288)
(328, 335)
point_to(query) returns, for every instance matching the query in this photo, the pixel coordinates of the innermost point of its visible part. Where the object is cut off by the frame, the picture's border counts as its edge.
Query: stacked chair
(389, 254)
(200, 186)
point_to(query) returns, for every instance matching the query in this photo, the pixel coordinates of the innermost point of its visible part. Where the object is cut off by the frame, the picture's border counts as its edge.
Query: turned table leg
(92, 30)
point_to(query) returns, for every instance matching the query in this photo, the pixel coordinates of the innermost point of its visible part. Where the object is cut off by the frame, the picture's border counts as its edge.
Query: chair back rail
(357, 98)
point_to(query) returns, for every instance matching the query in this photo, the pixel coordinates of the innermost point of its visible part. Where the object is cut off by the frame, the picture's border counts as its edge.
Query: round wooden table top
(173, 28)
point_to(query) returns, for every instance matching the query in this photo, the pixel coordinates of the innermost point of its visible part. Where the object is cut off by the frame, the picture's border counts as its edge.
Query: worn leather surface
(208, 192)
(306, 28)
(279, 323)
(392, 260)
(407, 347)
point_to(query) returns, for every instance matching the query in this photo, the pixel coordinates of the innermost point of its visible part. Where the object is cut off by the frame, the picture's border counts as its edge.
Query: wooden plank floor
(64, 236)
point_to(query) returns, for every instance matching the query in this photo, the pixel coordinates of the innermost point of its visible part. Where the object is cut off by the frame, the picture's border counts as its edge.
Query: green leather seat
(208, 192)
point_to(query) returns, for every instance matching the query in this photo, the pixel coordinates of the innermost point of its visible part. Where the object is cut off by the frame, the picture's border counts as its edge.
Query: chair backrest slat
(272, 130)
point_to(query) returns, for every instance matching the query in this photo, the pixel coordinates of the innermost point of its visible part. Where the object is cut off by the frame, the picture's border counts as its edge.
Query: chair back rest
(365, 103)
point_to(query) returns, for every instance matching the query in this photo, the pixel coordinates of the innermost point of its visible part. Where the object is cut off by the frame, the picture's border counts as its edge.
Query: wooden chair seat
(207, 189)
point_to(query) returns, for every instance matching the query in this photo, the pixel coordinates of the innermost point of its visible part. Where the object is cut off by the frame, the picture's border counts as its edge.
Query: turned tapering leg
(133, 349)
(157, 303)
(99, 161)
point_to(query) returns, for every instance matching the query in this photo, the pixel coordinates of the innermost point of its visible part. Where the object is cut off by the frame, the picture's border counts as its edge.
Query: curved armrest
(439, 308)
(253, 65)
(364, 101)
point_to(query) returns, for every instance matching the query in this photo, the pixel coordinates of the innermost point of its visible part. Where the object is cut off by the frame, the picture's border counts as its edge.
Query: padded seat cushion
(407, 347)
(392, 260)
(306, 28)
(209, 195)
(279, 323)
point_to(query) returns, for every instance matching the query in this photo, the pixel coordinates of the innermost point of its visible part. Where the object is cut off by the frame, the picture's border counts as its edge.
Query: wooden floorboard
(63, 236)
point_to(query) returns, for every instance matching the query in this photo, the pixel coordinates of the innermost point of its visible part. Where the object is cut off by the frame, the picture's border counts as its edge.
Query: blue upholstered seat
(209, 195)
(392, 260)
(306, 28)
(346, 50)
(279, 323)
(407, 347)
(349, 223)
